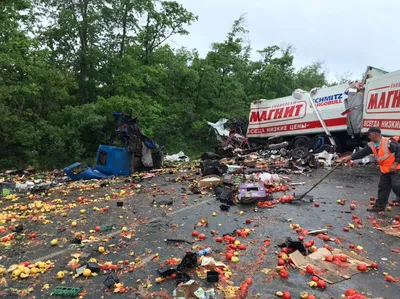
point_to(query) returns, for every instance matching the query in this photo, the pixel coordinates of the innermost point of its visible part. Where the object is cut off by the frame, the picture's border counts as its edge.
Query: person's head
(374, 134)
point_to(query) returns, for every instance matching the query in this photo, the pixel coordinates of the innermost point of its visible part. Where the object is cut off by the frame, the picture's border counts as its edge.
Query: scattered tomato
(281, 262)
(321, 284)
(362, 267)
(350, 292)
(310, 269)
(284, 273)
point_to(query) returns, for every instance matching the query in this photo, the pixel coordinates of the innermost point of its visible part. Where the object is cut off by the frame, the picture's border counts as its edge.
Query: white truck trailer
(330, 117)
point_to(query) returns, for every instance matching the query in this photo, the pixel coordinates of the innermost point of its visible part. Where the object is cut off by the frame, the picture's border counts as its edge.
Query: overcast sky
(346, 35)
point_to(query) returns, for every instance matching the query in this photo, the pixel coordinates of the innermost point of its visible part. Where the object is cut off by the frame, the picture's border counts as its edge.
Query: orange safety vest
(384, 157)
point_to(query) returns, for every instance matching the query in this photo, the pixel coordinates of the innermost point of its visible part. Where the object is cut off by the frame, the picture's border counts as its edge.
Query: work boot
(375, 209)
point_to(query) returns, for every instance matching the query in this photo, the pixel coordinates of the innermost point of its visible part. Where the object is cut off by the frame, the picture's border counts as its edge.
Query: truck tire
(299, 153)
(302, 141)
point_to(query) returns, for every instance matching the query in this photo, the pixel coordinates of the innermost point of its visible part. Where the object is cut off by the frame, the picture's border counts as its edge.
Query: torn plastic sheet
(326, 158)
(365, 160)
(268, 177)
(179, 157)
(219, 127)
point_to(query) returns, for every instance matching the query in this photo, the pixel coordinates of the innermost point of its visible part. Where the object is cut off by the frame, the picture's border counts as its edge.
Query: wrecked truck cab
(79, 171)
(138, 152)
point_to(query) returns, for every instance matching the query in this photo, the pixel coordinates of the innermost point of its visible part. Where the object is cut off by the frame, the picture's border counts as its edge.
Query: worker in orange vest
(387, 155)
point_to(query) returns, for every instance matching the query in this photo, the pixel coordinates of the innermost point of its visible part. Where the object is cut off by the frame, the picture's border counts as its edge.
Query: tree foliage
(65, 66)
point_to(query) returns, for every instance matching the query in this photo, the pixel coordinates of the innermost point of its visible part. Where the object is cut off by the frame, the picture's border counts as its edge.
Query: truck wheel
(299, 153)
(302, 141)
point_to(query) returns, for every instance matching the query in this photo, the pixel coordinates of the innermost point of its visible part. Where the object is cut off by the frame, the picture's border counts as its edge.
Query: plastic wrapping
(354, 104)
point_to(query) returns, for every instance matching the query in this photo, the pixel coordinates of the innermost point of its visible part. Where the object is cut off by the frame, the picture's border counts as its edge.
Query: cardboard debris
(192, 290)
(210, 181)
(328, 271)
(393, 230)
(207, 261)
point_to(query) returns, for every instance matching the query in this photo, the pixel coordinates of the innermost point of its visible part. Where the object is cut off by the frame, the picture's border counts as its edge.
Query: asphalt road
(143, 239)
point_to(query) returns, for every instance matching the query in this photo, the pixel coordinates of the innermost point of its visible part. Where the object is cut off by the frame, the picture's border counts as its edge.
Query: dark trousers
(388, 182)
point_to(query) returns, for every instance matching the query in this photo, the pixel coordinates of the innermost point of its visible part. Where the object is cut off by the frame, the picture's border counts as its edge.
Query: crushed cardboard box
(210, 181)
(393, 230)
(328, 271)
(192, 290)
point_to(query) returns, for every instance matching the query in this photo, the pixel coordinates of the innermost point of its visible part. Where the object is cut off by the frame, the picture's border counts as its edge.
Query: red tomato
(326, 246)
(316, 204)
(248, 221)
(326, 238)
(232, 246)
(346, 229)
(350, 292)
(229, 255)
(219, 240)
(311, 242)
(329, 258)
(321, 284)
(242, 247)
(310, 269)
(362, 267)
(286, 295)
(315, 278)
(311, 297)
(397, 217)
(307, 244)
(283, 273)
(374, 265)
(202, 237)
(301, 238)
(390, 278)
(97, 228)
(195, 233)
(299, 230)
(281, 262)
(249, 281)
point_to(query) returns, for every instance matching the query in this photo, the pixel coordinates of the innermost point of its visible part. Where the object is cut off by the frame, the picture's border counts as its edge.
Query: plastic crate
(66, 291)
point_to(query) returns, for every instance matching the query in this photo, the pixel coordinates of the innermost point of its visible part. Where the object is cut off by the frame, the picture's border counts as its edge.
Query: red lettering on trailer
(389, 124)
(298, 126)
(373, 101)
(279, 113)
(396, 99)
(276, 113)
(289, 111)
(382, 100)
